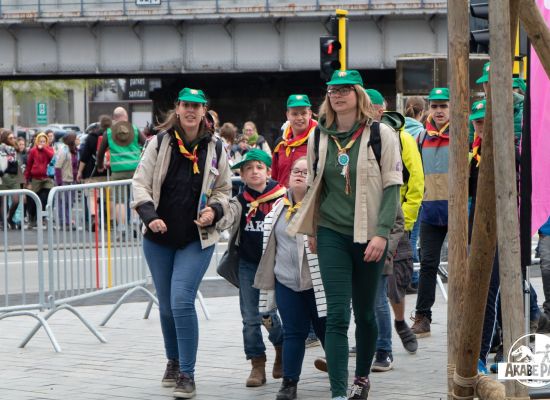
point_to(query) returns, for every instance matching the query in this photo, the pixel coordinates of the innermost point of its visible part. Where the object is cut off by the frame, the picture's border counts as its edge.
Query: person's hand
(312, 243)
(158, 226)
(375, 249)
(28, 186)
(79, 177)
(206, 217)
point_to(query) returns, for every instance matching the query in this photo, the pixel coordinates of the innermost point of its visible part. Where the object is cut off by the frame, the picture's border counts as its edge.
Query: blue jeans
(383, 315)
(177, 274)
(249, 299)
(298, 311)
(414, 241)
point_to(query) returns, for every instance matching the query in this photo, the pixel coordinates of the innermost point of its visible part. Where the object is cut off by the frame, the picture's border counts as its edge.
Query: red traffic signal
(330, 51)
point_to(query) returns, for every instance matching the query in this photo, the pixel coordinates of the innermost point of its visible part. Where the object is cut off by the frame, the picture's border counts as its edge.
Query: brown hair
(70, 140)
(228, 131)
(296, 161)
(4, 134)
(172, 119)
(105, 121)
(365, 110)
(414, 106)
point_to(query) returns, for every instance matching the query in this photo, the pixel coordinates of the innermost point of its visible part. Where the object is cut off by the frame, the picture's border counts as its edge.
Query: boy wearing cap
(434, 148)
(296, 132)
(250, 208)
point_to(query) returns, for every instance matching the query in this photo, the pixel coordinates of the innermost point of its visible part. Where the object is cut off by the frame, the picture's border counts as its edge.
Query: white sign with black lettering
(147, 2)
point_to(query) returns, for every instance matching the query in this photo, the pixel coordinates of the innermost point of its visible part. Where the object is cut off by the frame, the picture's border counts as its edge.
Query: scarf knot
(291, 208)
(255, 203)
(289, 141)
(187, 154)
(432, 130)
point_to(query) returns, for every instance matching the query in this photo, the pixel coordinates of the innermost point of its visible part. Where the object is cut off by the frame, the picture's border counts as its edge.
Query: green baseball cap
(439, 94)
(376, 97)
(349, 77)
(485, 77)
(254, 155)
(478, 110)
(519, 83)
(192, 95)
(298, 100)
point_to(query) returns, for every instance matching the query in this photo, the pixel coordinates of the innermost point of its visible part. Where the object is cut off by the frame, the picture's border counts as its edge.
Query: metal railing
(29, 9)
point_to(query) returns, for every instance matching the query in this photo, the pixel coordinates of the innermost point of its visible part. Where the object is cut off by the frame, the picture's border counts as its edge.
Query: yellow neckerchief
(273, 194)
(191, 156)
(289, 141)
(432, 129)
(291, 208)
(475, 149)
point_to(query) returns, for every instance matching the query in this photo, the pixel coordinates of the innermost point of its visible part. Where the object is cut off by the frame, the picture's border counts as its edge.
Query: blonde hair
(253, 126)
(365, 110)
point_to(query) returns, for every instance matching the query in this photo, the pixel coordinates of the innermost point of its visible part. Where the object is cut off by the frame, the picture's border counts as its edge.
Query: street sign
(41, 113)
(147, 2)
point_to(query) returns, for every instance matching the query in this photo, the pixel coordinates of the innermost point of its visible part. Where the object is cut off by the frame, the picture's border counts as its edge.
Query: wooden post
(536, 29)
(458, 64)
(505, 182)
(480, 263)
(514, 23)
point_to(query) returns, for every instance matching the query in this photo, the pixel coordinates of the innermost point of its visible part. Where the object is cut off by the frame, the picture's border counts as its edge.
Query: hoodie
(413, 126)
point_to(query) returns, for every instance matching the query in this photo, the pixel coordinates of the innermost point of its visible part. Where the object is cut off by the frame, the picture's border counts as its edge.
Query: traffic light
(330, 50)
(479, 35)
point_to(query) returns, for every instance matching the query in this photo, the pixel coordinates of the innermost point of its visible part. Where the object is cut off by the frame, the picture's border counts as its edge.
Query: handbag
(228, 267)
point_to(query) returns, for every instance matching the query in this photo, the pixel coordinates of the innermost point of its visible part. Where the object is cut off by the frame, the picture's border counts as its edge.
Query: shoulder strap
(316, 139)
(375, 141)
(219, 148)
(160, 136)
(421, 139)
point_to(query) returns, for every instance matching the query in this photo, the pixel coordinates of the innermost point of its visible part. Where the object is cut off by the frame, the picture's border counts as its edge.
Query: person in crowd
(216, 119)
(396, 275)
(289, 268)
(183, 169)
(415, 107)
(434, 148)
(249, 209)
(66, 171)
(255, 140)
(293, 143)
(228, 134)
(544, 251)
(51, 137)
(9, 171)
(36, 177)
(348, 213)
(239, 149)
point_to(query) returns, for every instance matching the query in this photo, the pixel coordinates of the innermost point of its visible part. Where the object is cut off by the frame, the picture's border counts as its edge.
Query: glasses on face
(340, 91)
(297, 172)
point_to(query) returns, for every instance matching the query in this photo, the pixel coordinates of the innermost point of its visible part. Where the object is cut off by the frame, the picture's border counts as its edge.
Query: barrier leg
(41, 323)
(442, 288)
(148, 309)
(203, 304)
(75, 312)
(124, 297)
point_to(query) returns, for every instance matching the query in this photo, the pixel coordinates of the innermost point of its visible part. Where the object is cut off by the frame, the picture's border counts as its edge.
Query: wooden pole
(505, 182)
(536, 29)
(480, 263)
(458, 64)
(514, 23)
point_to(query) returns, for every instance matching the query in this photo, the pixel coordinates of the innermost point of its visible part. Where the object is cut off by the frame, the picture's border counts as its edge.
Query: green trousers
(346, 277)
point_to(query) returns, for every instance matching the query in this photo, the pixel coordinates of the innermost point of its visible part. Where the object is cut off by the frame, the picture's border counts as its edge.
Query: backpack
(161, 135)
(50, 170)
(375, 142)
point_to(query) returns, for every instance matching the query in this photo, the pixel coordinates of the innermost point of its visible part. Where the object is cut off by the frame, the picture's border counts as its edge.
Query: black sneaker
(383, 361)
(185, 386)
(288, 390)
(360, 389)
(408, 338)
(171, 373)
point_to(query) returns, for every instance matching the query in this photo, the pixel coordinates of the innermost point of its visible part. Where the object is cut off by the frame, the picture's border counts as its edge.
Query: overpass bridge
(86, 38)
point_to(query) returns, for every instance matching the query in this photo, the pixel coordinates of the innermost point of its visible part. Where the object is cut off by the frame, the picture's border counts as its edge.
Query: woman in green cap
(348, 213)
(181, 192)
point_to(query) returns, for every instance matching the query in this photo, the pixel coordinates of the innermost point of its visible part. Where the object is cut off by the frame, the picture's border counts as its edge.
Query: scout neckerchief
(291, 208)
(476, 147)
(190, 156)
(343, 157)
(273, 194)
(433, 131)
(289, 141)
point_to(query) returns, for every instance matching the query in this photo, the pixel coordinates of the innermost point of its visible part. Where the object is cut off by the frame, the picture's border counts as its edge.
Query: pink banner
(540, 134)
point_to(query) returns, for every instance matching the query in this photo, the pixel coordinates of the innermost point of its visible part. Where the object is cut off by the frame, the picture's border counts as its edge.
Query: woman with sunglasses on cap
(349, 211)
(181, 192)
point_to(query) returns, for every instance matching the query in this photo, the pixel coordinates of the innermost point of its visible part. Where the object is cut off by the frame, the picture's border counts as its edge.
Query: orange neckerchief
(433, 131)
(289, 141)
(291, 208)
(190, 156)
(476, 146)
(273, 194)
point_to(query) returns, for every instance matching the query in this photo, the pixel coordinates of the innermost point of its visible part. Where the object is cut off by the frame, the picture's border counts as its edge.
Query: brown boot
(278, 364)
(257, 375)
(421, 326)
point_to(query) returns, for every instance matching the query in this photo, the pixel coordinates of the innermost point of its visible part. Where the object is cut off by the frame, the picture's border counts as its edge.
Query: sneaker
(288, 390)
(411, 289)
(494, 368)
(353, 351)
(383, 361)
(185, 387)
(321, 364)
(421, 326)
(360, 388)
(408, 338)
(171, 373)
(481, 368)
(312, 342)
